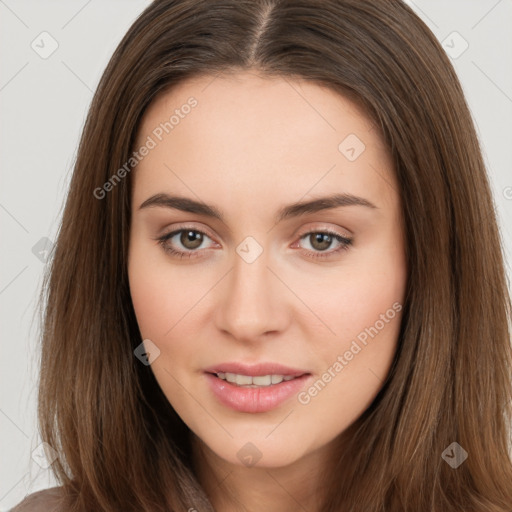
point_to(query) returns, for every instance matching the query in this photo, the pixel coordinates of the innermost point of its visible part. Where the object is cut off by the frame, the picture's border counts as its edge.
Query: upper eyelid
(173, 232)
(345, 233)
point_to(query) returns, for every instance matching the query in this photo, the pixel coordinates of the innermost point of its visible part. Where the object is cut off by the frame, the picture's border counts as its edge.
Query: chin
(258, 451)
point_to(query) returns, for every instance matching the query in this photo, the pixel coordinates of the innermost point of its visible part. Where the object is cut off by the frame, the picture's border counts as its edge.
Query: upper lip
(255, 370)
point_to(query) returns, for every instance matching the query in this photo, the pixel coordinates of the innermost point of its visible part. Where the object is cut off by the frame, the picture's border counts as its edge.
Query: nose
(252, 301)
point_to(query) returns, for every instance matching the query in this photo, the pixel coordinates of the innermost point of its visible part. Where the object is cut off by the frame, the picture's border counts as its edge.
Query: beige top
(47, 500)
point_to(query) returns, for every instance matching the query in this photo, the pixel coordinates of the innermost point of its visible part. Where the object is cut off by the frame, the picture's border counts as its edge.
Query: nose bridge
(250, 274)
(250, 306)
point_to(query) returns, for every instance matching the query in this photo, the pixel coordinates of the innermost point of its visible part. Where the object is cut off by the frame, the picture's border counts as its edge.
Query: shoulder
(47, 500)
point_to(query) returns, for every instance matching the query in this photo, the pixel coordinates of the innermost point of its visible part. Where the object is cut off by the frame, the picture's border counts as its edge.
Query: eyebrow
(186, 204)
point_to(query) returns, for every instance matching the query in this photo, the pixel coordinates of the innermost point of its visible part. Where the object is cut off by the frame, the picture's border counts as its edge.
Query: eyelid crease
(301, 233)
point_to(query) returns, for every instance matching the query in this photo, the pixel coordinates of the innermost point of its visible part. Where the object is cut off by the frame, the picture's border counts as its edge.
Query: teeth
(253, 382)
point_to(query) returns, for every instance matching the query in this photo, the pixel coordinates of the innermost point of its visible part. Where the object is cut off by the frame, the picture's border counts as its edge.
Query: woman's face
(265, 285)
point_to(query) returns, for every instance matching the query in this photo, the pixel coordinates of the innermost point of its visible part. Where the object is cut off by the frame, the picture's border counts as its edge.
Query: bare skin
(249, 147)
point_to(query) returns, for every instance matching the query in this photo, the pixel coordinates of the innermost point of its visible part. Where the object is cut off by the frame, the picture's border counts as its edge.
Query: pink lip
(255, 369)
(254, 400)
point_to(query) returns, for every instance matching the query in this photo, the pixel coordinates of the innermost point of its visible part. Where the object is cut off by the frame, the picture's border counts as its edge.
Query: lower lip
(253, 400)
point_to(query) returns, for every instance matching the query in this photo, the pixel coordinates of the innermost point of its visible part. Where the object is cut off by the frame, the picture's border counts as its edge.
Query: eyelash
(345, 243)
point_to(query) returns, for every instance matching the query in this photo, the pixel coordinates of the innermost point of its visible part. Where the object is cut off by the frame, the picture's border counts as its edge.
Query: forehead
(262, 106)
(248, 133)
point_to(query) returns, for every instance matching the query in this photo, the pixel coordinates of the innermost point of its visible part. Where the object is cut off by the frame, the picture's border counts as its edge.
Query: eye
(192, 239)
(322, 240)
(189, 238)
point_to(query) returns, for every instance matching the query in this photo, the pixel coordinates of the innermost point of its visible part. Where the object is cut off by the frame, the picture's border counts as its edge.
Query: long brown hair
(121, 445)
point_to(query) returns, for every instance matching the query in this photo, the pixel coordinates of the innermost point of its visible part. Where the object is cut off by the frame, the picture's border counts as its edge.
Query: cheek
(149, 302)
(364, 310)
(347, 303)
(161, 293)
(353, 364)
(361, 309)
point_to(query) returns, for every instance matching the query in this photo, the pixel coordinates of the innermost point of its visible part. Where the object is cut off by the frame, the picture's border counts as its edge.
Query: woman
(279, 282)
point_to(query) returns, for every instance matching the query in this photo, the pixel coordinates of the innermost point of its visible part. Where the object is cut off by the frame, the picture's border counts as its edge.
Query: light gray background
(43, 105)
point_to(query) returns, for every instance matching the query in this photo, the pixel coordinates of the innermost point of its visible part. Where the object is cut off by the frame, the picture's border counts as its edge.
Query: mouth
(253, 381)
(239, 373)
(256, 388)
